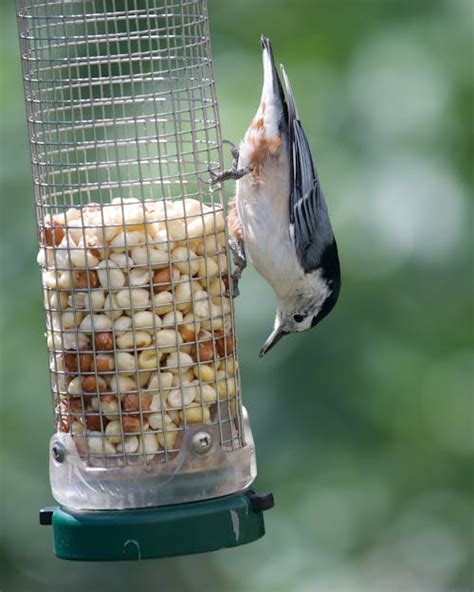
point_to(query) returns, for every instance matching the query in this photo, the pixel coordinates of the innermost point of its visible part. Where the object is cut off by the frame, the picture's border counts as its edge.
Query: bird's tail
(292, 108)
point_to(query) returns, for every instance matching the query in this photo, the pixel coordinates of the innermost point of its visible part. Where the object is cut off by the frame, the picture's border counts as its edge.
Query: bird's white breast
(263, 207)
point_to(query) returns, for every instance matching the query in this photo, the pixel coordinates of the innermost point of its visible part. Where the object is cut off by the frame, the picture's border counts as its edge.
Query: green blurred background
(363, 426)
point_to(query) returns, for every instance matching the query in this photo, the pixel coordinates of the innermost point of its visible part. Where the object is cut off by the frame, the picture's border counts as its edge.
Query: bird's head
(304, 307)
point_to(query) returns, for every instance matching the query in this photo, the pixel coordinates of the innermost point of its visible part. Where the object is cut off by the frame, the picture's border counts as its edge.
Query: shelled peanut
(139, 324)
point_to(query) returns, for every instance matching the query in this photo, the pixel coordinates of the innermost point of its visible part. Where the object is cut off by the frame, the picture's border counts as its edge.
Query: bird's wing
(309, 221)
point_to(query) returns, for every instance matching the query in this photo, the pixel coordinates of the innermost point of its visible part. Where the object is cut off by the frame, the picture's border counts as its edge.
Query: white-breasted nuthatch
(279, 216)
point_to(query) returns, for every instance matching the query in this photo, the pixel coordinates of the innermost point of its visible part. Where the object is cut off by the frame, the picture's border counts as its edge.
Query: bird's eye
(298, 318)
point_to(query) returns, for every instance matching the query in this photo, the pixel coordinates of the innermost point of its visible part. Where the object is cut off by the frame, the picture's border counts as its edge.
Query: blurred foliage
(363, 426)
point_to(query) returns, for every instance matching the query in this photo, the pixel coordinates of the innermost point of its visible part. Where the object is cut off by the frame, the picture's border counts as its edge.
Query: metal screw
(202, 442)
(59, 452)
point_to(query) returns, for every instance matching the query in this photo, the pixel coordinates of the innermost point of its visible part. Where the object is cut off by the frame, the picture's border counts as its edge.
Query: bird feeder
(152, 453)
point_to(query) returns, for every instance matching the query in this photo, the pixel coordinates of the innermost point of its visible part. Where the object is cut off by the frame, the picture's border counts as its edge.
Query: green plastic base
(158, 532)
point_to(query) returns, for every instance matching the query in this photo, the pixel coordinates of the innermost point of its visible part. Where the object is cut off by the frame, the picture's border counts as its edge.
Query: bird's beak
(273, 339)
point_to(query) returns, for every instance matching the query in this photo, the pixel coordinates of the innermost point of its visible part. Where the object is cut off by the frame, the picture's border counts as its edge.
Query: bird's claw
(233, 290)
(235, 153)
(234, 172)
(240, 262)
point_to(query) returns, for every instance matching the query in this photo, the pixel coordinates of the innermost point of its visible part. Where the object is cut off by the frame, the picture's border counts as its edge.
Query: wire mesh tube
(123, 126)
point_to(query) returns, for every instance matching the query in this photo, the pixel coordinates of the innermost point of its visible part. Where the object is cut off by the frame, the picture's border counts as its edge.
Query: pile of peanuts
(139, 324)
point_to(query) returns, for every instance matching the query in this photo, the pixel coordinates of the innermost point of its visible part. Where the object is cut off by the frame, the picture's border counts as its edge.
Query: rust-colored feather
(233, 221)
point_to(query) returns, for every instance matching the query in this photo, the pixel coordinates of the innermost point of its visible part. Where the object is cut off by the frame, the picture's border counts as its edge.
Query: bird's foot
(232, 173)
(235, 172)
(235, 153)
(240, 262)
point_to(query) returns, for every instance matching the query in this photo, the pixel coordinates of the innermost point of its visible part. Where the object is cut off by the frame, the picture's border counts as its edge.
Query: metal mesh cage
(123, 126)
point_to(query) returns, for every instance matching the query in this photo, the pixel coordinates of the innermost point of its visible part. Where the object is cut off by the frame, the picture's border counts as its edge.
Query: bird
(279, 216)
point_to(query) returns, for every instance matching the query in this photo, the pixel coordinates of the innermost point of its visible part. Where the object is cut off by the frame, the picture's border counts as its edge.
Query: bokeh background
(363, 426)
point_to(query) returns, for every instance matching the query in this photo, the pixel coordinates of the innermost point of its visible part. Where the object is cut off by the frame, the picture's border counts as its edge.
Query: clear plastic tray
(190, 476)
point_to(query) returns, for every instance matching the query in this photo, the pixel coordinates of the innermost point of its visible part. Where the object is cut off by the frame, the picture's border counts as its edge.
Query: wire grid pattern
(123, 126)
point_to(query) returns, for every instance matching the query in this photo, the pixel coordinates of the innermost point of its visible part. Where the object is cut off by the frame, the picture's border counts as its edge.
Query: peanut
(148, 444)
(172, 318)
(123, 324)
(162, 380)
(133, 298)
(125, 362)
(204, 372)
(184, 377)
(139, 277)
(162, 303)
(224, 344)
(52, 234)
(93, 323)
(155, 258)
(207, 269)
(167, 340)
(82, 280)
(98, 445)
(146, 320)
(85, 362)
(114, 432)
(206, 394)
(158, 420)
(183, 295)
(74, 387)
(109, 274)
(149, 359)
(111, 308)
(186, 333)
(70, 362)
(134, 340)
(132, 401)
(162, 279)
(195, 415)
(104, 363)
(143, 377)
(109, 406)
(91, 384)
(167, 438)
(225, 387)
(76, 428)
(71, 319)
(176, 231)
(104, 341)
(93, 421)
(83, 257)
(185, 260)
(131, 423)
(122, 384)
(203, 349)
(127, 240)
(130, 445)
(182, 397)
(178, 361)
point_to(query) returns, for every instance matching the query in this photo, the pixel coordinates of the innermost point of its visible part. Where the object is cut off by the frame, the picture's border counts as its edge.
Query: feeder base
(121, 535)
